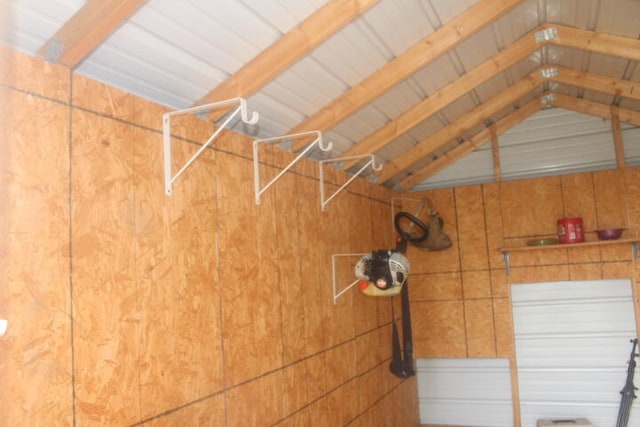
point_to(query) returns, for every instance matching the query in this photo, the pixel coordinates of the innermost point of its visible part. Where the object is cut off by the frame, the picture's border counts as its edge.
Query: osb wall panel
(578, 199)
(106, 346)
(248, 274)
(531, 207)
(102, 99)
(35, 356)
(471, 228)
(181, 352)
(610, 201)
(199, 309)
(463, 308)
(29, 74)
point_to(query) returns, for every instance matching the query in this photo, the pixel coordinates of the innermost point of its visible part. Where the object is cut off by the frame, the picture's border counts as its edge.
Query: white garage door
(572, 348)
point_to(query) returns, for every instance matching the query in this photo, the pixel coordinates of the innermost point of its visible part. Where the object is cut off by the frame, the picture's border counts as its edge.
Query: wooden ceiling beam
(289, 49)
(591, 41)
(565, 75)
(597, 82)
(87, 29)
(495, 153)
(618, 143)
(595, 109)
(562, 101)
(476, 116)
(500, 62)
(512, 54)
(460, 28)
(471, 144)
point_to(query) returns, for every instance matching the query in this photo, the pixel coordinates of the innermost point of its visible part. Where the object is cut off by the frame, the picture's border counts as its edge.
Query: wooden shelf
(568, 245)
(633, 241)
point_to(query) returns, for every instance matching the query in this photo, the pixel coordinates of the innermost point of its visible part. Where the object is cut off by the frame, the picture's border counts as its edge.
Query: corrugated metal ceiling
(175, 52)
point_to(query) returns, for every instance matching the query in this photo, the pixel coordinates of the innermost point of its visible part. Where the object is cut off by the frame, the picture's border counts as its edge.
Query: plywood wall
(128, 307)
(461, 303)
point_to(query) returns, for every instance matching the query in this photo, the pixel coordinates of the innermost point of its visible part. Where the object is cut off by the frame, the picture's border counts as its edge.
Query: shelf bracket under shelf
(256, 161)
(505, 258)
(337, 293)
(169, 179)
(372, 162)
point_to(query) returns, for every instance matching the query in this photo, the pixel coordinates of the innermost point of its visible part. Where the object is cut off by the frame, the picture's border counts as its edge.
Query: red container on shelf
(570, 230)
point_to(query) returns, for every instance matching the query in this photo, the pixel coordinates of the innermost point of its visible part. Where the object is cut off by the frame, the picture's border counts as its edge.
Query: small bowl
(542, 242)
(609, 233)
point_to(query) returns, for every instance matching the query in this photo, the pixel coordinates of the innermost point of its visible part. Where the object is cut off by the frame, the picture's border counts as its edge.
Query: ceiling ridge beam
(86, 30)
(403, 66)
(289, 49)
(472, 143)
(591, 41)
(478, 115)
(597, 82)
(507, 57)
(597, 109)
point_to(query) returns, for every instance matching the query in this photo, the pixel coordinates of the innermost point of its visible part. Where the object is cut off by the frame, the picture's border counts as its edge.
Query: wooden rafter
(498, 63)
(475, 141)
(563, 101)
(597, 82)
(595, 109)
(290, 48)
(459, 126)
(87, 29)
(413, 59)
(607, 44)
(501, 61)
(565, 75)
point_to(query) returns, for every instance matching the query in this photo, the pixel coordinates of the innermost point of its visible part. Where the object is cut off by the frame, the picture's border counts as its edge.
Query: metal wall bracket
(324, 201)
(169, 179)
(285, 138)
(337, 293)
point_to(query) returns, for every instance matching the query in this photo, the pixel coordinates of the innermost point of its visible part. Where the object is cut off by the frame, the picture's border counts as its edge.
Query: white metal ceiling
(175, 51)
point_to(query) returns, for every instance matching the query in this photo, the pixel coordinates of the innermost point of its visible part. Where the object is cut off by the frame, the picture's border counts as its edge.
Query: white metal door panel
(572, 348)
(465, 392)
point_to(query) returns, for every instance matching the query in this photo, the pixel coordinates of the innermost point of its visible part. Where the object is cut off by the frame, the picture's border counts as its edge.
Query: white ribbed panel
(465, 392)
(572, 348)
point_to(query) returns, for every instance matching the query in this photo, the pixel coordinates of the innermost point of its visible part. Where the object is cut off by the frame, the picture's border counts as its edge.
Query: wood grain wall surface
(460, 298)
(128, 307)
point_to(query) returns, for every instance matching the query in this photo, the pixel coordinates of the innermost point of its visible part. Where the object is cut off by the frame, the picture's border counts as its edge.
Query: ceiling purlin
(402, 67)
(473, 142)
(498, 63)
(289, 49)
(87, 29)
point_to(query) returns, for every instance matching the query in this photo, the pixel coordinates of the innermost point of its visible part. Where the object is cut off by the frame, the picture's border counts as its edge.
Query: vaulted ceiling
(425, 86)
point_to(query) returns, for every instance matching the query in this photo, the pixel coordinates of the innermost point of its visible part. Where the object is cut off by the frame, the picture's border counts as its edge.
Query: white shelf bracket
(372, 162)
(337, 293)
(256, 161)
(169, 178)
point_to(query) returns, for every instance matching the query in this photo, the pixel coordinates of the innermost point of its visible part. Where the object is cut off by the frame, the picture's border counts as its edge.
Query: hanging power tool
(384, 273)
